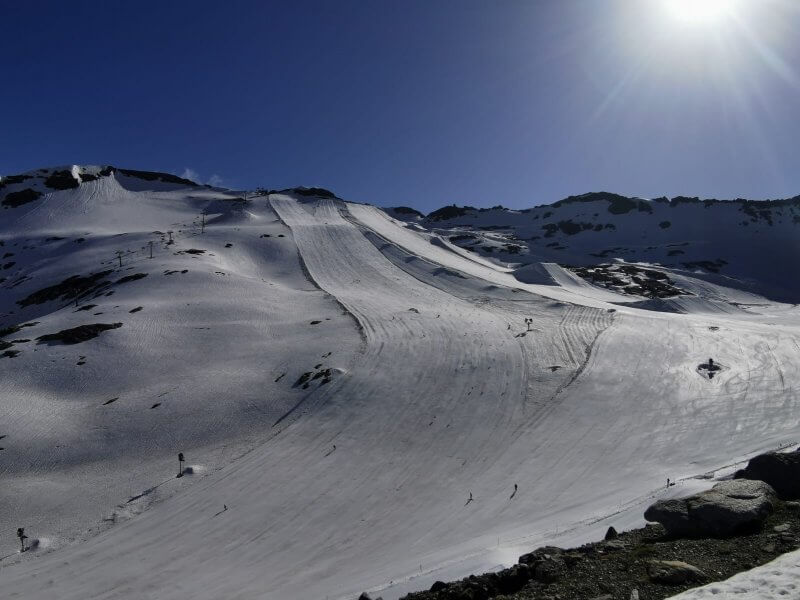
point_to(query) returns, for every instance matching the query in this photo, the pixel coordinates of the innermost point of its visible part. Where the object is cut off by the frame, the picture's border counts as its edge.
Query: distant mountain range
(747, 244)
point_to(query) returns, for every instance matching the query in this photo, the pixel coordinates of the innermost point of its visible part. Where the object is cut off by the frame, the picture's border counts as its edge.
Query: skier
(514, 493)
(22, 537)
(667, 481)
(470, 498)
(180, 464)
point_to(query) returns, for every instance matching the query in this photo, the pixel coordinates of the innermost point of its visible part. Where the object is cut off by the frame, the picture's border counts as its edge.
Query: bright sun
(699, 11)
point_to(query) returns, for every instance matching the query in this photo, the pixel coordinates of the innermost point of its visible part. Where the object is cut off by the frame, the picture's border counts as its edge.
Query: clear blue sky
(421, 103)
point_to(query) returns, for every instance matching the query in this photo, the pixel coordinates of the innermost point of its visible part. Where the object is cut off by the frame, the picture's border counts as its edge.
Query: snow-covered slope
(341, 383)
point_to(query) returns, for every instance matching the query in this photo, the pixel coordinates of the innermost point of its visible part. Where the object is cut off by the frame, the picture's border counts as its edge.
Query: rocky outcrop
(725, 509)
(781, 470)
(674, 572)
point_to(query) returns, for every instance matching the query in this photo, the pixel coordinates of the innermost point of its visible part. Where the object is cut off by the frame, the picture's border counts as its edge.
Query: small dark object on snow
(180, 464)
(22, 537)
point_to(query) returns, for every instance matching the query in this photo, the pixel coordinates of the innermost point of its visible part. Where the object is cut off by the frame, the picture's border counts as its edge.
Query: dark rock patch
(129, 278)
(15, 199)
(450, 212)
(781, 470)
(156, 176)
(72, 287)
(313, 192)
(407, 210)
(61, 180)
(76, 335)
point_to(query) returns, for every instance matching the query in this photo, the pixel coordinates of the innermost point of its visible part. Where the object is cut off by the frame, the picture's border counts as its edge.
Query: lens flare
(698, 11)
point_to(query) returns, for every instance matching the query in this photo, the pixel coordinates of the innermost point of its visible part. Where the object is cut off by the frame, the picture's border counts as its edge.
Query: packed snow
(342, 383)
(777, 579)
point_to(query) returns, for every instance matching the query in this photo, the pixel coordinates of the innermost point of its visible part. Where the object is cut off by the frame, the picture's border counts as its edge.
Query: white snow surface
(777, 579)
(424, 386)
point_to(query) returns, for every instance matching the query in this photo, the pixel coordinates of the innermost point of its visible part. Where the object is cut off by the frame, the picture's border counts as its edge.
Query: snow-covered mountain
(739, 243)
(342, 380)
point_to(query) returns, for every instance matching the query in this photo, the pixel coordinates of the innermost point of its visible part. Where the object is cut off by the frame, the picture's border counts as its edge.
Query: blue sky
(421, 103)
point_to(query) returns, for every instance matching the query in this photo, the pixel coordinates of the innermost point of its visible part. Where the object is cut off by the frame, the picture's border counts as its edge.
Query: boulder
(513, 579)
(548, 570)
(611, 534)
(674, 572)
(728, 507)
(543, 553)
(781, 470)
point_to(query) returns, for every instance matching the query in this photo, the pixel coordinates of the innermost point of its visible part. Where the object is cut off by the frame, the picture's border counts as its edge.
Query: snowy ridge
(343, 382)
(736, 243)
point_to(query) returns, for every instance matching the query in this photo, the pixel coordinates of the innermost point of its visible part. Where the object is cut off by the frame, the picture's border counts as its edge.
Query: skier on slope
(22, 537)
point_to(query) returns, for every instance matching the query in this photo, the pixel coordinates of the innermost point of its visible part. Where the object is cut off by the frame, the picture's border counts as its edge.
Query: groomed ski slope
(366, 487)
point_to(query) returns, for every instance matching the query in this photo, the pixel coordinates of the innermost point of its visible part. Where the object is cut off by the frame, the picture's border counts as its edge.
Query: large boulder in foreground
(779, 469)
(727, 508)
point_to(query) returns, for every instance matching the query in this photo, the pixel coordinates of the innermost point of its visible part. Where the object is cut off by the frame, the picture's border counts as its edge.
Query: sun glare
(699, 11)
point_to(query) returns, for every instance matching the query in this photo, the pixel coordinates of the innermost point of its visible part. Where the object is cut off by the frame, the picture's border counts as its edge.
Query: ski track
(364, 485)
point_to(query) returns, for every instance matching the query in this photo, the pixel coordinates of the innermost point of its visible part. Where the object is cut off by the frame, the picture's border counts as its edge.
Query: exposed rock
(366, 596)
(513, 579)
(616, 545)
(781, 528)
(779, 469)
(726, 508)
(673, 572)
(548, 570)
(71, 287)
(61, 180)
(611, 534)
(15, 199)
(79, 334)
(543, 553)
(438, 586)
